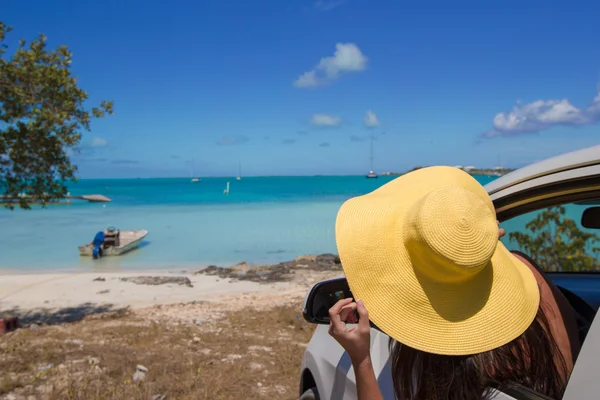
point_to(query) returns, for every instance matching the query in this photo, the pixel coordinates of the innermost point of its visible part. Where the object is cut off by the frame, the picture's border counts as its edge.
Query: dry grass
(248, 355)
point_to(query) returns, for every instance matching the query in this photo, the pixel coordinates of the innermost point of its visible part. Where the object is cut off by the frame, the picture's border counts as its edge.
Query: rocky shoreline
(282, 272)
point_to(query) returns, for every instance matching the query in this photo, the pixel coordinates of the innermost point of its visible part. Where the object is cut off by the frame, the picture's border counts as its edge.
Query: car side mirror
(322, 296)
(591, 218)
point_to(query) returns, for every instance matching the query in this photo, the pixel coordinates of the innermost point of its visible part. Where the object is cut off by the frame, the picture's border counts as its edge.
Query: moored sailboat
(371, 174)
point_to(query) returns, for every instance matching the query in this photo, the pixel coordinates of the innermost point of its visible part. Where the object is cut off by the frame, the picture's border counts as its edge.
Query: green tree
(557, 243)
(42, 115)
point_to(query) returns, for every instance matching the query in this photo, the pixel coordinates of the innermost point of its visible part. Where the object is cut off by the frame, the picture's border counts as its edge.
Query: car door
(542, 218)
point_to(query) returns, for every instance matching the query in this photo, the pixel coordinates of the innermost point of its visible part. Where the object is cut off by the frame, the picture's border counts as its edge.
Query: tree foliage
(558, 244)
(42, 116)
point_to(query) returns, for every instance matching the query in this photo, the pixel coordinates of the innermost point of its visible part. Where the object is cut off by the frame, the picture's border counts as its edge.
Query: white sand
(53, 291)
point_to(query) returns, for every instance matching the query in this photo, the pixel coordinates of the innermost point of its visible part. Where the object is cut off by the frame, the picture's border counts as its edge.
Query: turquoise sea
(262, 220)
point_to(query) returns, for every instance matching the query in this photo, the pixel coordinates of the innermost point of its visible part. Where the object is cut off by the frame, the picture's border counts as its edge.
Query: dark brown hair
(533, 360)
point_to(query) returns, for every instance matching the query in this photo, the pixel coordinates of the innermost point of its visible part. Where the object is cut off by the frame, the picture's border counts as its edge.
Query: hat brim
(492, 309)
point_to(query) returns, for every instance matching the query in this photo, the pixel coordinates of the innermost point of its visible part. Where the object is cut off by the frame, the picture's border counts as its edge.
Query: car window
(555, 238)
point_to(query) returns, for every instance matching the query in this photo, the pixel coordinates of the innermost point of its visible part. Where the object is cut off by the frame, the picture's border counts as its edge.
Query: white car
(571, 181)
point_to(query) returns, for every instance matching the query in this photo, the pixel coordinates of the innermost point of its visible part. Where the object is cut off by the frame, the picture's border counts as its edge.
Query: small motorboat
(112, 242)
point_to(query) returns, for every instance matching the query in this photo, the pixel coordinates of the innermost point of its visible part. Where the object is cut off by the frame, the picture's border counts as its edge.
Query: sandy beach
(58, 297)
(159, 334)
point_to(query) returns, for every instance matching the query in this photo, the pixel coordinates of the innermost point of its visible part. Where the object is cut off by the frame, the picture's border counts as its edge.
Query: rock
(210, 270)
(10, 396)
(260, 348)
(159, 280)
(196, 339)
(328, 259)
(280, 389)
(281, 272)
(103, 291)
(259, 384)
(308, 257)
(44, 367)
(75, 341)
(99, 279)
(256, 366)
(34, 327)
(45, 389)
(198, 322)
(159, 397)
(232, 358)
(138, 376)
(141, 368)
(94, 361)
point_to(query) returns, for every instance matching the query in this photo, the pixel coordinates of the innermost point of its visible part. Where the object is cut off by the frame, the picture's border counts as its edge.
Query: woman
(422, 253)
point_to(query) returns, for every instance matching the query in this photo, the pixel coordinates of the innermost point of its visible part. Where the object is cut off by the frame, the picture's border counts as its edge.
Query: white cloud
(98, 142)
(594, 108)
(371, 120)
(232, 140)
(541, 115)
(347, 58)
(325, 120)
(307, 79)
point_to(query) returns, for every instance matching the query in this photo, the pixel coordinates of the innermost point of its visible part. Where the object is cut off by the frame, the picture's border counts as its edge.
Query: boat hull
(87, 249)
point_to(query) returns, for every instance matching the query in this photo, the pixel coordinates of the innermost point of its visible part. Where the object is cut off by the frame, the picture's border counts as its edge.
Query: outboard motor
(98, 242)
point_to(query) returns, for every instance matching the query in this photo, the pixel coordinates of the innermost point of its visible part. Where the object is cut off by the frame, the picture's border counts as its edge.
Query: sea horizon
(234, 176)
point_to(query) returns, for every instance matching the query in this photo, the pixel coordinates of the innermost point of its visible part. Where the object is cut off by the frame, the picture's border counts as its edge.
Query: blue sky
(298, 86)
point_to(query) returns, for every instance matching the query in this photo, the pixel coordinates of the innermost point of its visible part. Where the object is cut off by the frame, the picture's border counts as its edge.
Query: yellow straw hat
(422, 253)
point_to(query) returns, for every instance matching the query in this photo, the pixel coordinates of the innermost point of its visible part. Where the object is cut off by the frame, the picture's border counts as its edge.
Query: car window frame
(564, 187)
(536, 198)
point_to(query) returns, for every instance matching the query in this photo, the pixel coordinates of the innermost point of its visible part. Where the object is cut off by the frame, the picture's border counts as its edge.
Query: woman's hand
(356, 340)
(501, 232)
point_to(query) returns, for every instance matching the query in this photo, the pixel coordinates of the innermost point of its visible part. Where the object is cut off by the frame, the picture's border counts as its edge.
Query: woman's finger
(363, 321)
(334, 315)
(337, 307)
(347, 313)
(501, 232)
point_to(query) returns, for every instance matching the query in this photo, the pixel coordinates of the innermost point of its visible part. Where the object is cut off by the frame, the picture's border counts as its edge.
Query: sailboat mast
(371, 154)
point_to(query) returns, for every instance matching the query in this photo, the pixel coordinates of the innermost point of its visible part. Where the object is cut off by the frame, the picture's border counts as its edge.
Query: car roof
(564, 162)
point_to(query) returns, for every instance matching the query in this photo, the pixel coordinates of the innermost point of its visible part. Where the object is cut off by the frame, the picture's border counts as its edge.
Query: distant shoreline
(469, 170)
